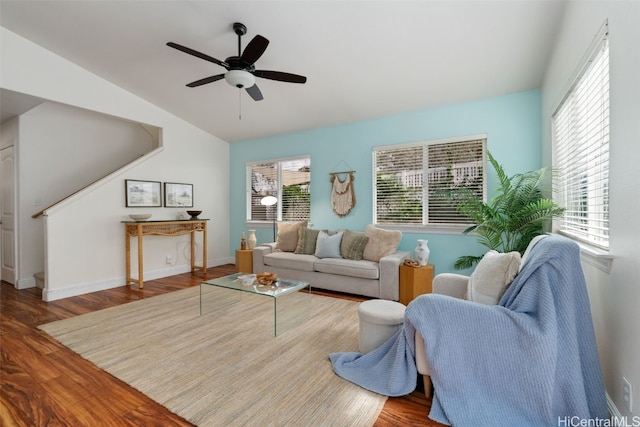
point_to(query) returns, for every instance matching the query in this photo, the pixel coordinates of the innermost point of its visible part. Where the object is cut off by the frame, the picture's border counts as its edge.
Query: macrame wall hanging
(343, 197)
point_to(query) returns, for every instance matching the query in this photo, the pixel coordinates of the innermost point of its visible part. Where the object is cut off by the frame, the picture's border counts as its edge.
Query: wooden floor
(42, 383)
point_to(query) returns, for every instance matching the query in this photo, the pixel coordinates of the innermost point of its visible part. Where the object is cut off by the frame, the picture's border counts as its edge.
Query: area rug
(225, 368)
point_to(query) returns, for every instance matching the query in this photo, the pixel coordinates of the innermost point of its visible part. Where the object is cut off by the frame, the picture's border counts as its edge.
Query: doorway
(7, 216)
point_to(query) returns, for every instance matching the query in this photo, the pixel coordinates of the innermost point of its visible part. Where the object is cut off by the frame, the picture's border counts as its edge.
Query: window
(581, 150)
(289, 181)
(415, 183)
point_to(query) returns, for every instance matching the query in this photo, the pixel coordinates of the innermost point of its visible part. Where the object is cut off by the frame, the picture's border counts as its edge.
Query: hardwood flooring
(43, 383)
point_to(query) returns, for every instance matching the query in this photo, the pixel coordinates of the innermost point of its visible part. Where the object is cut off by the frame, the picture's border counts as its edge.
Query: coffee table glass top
(290, 307)
(280, 286)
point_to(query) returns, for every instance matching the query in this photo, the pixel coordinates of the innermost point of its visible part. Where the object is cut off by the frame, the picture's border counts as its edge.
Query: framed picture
(178, 195)
(142, 193)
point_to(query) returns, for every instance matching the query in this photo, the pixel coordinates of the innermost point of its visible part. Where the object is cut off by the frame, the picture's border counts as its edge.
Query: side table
(415, 281)
(244, 260)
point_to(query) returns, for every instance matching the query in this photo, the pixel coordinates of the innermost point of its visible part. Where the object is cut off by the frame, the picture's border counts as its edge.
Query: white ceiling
(363, 59)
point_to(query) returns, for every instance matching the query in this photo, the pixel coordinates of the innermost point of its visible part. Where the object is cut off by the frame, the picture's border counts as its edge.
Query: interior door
(7, 216)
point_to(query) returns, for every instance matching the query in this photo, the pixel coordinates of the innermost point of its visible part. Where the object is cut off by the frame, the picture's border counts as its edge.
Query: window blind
(416, 184)
(581, 142)
(289, 181)
(296, 189)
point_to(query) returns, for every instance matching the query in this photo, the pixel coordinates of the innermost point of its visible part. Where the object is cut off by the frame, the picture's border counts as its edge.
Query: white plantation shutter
(581, 142)
(415, 183)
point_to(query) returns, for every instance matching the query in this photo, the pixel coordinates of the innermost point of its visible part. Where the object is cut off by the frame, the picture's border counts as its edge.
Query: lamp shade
(240, 78)
(268, 201)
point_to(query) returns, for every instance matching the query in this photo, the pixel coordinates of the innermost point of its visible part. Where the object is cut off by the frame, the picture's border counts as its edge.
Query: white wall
(615, 296)
(8, 132)
(53, 138)
(85, 243)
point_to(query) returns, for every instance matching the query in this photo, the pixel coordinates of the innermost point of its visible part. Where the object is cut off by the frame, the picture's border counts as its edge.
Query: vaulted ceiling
(363, 59)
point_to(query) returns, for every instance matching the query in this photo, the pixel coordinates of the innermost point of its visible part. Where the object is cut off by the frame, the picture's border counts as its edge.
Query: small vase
(251, 241)
(422, 252)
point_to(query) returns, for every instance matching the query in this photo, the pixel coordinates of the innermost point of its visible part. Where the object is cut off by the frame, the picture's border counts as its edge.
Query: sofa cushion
(381, 243)
(353, 244)
(307, 238)
(288, 235)
(290, 260)
(347, 267)
(328, 246)
(492, 276)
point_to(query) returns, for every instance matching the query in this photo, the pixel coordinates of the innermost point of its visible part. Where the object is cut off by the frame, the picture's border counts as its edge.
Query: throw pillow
(288, 235)
(492, 276)
(328, 246)
(381, 243)
(353, 244)
(307, 238)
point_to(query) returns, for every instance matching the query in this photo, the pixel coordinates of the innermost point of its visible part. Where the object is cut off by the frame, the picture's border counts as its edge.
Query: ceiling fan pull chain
(239, 104)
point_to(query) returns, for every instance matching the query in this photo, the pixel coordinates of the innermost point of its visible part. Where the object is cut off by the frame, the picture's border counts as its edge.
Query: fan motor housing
(235, 63)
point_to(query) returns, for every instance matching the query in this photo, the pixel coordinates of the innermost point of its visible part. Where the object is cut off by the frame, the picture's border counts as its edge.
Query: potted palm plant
(513, 217)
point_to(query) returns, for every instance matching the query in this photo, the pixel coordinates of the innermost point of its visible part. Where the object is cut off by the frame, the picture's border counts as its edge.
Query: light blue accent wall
(512, 124)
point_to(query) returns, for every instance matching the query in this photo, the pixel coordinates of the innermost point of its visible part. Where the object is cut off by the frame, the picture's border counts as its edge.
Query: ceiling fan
(241, 71)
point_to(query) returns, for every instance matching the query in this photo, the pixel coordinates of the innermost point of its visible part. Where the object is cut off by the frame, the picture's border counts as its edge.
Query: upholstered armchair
(486, 285)
(453, 285)
(501, 351)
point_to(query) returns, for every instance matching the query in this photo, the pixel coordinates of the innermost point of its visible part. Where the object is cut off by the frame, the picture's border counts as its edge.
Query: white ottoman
(379, 320)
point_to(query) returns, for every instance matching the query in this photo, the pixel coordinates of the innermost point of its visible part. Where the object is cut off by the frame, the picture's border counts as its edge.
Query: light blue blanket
(530, 361)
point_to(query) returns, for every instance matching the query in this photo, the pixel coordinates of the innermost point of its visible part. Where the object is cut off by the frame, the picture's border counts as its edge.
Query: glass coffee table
(291, 298)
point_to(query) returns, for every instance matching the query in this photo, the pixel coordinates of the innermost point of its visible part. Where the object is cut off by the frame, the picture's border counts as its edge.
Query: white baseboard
(29, 282)
(49, 294)
(613, 409)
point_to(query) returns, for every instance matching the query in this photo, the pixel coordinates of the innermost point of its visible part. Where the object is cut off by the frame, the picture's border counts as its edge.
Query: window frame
(425, 226)
(248, 188)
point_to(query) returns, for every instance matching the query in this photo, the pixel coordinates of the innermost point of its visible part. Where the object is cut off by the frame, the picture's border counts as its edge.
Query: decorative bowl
(266, 278)
(194, 214)
(247, 279)
(140, 217)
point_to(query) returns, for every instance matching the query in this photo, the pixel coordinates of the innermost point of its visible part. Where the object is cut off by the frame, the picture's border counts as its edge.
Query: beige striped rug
(225, 368)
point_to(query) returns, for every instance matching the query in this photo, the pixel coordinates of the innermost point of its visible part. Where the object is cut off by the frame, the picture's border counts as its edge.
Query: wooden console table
(163, 228)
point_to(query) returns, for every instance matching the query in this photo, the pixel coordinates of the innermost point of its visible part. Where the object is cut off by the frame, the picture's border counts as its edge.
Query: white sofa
(367, 278)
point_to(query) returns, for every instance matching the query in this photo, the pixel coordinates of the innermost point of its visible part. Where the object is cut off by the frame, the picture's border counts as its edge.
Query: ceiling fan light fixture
(240, 78)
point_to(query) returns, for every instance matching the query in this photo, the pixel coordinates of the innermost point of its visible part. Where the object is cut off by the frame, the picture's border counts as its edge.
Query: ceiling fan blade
(206, 80)
(280, 76)
(254, 49)
(255, 93)
(198, 54)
